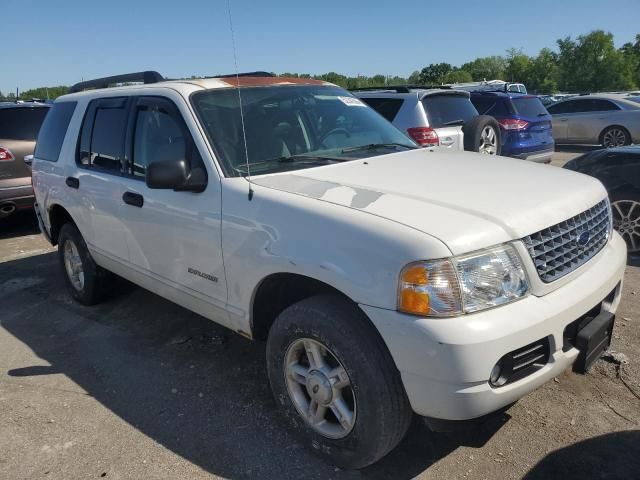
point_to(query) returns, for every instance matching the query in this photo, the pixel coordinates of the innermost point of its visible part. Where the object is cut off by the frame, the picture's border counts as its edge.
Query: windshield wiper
(454, 122)
(374, 146)
(305, 156)
(543, 114)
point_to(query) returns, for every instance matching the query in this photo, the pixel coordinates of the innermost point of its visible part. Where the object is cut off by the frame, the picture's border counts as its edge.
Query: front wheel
(333, 376)
(625, 207)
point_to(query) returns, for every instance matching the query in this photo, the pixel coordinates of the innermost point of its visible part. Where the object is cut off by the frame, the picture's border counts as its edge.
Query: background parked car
(524, 121)
(607, 119)
(19, 126)
(435, 117)
(619, 170)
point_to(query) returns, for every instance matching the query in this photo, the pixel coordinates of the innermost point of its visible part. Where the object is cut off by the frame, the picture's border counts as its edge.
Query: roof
(409, 91)
(187, 85)
(503, 94)
(5, 105)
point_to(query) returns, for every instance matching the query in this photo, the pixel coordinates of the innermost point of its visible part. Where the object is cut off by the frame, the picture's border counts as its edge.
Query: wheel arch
(58, 216)
(277, 291)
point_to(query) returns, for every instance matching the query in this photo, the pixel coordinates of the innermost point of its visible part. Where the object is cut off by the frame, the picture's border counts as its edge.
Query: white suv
(385, 279)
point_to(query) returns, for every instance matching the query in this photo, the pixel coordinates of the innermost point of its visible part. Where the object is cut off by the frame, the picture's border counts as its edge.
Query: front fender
(357, 253)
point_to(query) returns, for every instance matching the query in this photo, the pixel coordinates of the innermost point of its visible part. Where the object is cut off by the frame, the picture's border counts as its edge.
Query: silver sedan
(607, 120)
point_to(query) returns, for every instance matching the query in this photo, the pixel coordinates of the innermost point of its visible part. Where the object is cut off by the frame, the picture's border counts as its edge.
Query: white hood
(467, 200)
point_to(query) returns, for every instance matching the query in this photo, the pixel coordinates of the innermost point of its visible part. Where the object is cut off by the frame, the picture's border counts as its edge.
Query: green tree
(592, 64)
(543, 73)
(435, 73)
(44, 92)
(414, 78)
(458, 75)
(486, 68)
(518, 66)
(631, 54)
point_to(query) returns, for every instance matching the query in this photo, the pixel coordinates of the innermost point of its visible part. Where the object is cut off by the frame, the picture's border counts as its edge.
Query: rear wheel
(625, 207)
(615, 137)
(87, 282)
(333, 376)
(482, 135)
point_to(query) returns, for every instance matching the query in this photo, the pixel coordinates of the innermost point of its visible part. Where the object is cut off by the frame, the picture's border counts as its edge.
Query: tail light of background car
(424, 136)
(513, 124)
(5, 155)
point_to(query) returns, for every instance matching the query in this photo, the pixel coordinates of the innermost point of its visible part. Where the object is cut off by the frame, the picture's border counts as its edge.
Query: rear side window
(53, 131)
(529, 107)
(387, 107)
(103, 134)
(491, 105)
(445, 110)
(598, 105)
(21, 123)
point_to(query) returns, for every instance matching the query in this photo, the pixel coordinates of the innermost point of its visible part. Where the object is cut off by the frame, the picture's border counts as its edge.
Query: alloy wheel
(614, 137)
(626, 220)
(73, 265)
(320, 388)
(489, 140)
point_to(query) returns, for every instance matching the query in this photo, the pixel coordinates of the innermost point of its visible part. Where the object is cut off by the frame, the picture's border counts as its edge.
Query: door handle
(445, 142)
(72, 182)
(134, 199)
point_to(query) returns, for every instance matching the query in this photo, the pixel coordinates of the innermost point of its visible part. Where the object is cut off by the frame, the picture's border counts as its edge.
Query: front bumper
(445, 363)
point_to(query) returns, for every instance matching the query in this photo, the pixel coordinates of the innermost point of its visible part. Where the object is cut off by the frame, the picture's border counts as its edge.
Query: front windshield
(292, 127)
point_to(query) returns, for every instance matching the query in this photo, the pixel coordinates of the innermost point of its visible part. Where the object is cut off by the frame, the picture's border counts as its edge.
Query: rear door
(19, 128)
(594, 115)
(446, 113)
(560, 115)
(99, 177)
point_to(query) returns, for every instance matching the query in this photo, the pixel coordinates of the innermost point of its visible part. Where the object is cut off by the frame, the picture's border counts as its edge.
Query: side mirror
(28, 159)
(170, 174)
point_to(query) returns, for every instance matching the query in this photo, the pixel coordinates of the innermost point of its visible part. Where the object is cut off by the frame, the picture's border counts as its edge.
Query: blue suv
(524, 122)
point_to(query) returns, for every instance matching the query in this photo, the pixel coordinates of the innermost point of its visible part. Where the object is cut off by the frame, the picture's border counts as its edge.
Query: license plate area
(590, 334)
(592, 340)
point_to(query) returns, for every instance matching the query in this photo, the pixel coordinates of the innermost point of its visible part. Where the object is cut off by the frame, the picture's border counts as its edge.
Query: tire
(96, 282)
(625, 207)
(475, 135)
(375, 396)
(615, 136)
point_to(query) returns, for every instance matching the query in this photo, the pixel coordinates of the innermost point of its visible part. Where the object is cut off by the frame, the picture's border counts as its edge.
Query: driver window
(158, 136)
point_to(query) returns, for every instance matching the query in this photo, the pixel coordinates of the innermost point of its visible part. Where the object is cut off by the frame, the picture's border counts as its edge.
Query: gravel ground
(139, 388)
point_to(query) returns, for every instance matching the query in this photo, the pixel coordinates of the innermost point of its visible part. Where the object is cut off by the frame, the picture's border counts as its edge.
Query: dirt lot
(138, 388)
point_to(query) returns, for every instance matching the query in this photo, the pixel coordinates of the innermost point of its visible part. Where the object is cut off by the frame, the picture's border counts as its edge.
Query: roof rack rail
(148, 76)
(400, 88)
(245, 74)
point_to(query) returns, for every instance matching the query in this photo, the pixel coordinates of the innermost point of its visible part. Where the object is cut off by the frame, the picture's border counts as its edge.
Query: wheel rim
(488, 141)
(614, 138)
(320, 388)
(73, 265)
(626, 220)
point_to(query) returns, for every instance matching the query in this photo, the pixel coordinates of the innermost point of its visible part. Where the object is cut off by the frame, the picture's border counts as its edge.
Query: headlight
(468, 283)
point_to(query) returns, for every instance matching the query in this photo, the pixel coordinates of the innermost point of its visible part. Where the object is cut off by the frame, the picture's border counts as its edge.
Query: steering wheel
(334, 131)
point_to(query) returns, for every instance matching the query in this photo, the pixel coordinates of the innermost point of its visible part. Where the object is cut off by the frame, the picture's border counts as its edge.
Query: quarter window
(54, 130)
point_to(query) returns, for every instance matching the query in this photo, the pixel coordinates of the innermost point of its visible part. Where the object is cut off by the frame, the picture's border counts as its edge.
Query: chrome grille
(560, 249)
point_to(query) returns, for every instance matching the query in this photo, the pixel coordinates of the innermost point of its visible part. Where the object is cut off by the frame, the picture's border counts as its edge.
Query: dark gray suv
(19, 127)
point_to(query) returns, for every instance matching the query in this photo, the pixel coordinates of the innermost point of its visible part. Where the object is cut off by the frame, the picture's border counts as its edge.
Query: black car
(619, 170)
(19, 126)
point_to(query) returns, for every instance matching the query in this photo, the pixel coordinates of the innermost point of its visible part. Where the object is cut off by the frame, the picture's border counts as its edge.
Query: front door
(173, 236)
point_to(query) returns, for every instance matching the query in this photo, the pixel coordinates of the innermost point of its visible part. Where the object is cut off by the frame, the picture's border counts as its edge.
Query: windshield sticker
(351, 101)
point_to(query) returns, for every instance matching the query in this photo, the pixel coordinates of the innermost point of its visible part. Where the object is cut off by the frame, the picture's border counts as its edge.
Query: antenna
(244, 133)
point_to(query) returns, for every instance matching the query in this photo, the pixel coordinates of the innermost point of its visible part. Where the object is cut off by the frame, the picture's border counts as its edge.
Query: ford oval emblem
(583, 238)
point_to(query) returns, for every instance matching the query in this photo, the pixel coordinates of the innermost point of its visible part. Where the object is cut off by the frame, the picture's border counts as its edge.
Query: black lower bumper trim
(593, 339)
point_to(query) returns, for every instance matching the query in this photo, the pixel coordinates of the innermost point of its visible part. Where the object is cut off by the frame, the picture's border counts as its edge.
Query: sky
(62, 42)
